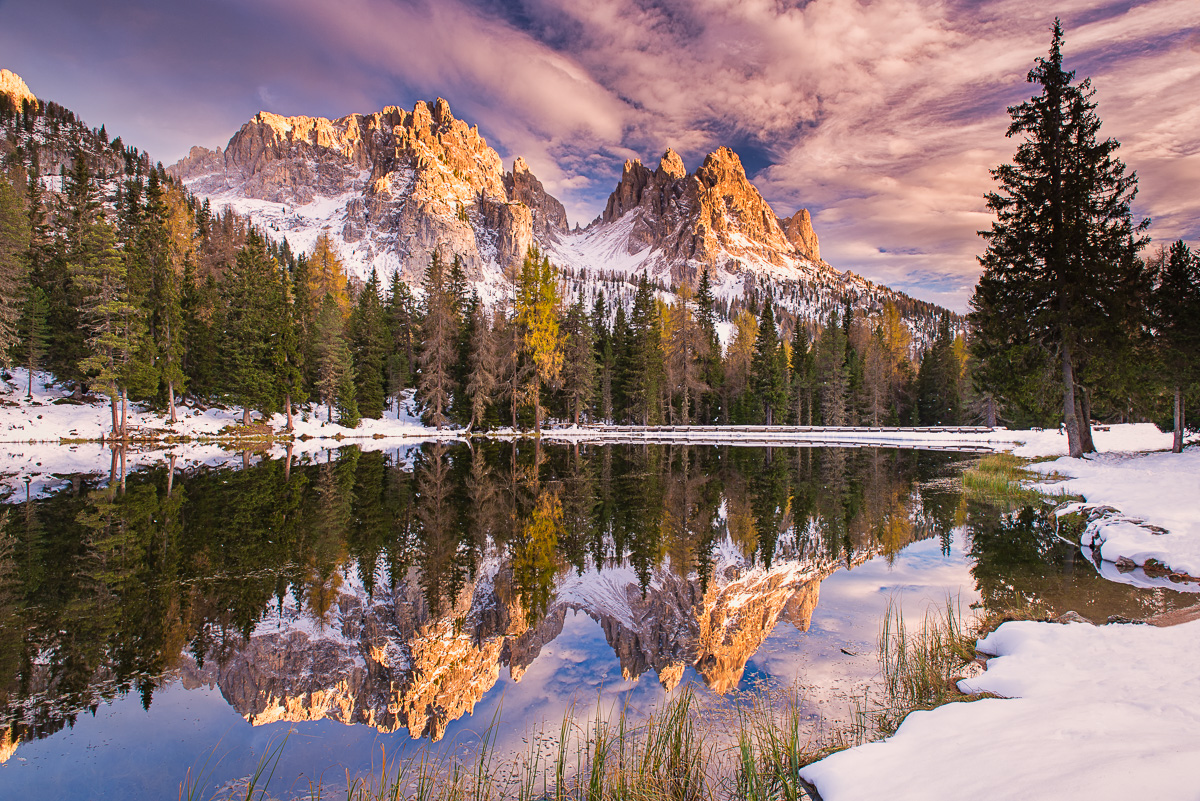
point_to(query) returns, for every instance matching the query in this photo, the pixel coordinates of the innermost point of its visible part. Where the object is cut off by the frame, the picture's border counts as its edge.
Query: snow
(1161, 489)
(1095, 712)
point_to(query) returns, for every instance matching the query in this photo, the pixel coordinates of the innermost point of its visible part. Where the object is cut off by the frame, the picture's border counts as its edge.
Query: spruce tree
(1059, 252)
(401, 313)
(644, 381)
(1177, 323)
(830, 369)
(579, 360)
(369, 337)
(334, 367)
(32, 336)
(14, 247)
(249, 376)
(767, 380)
(110, 318)
(439, 335)
(484, 364)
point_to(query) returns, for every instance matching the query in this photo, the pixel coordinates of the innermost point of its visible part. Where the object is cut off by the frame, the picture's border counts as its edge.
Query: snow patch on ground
(1161, 489)
(1095, 712)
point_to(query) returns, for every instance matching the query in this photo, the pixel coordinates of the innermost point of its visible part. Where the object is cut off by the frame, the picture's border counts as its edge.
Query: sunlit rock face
(713, 217)
(389, 187)
(392, 187)
(14, 86)
(390, 662)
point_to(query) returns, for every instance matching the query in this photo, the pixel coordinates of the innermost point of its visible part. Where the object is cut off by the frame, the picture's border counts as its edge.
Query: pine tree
(439, 334)
(110, 318)
(335, 369)
(249, 293)
(644, 381)
(579, 359)
(14, 247)
(1059, 252)
(32, 334)
(687, 349)
(767, 380)
(369, 337)
(830, 372)
(401, 315)
(603, 356)
(1177, 322)
(802, 376)
(938, 395)
(484, 363)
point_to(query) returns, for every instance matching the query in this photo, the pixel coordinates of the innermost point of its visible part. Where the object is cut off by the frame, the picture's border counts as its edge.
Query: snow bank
(48, 416)
(1108, 712)
(1160, 489)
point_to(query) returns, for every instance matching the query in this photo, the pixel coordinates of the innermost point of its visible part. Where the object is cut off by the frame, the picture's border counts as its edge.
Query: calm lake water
(363, 602)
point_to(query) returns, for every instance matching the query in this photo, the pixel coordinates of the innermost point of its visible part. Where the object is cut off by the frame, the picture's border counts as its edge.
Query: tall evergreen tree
(484, 364)
(14, 247)
(369, 341)
(32, 336)
(249, 376)
(1177, 322)
(830, 370)
(1060, 249)
(687, 349)
(439, 335)
(579, 359)
(644, 381)
(768, 381)
(335, 365)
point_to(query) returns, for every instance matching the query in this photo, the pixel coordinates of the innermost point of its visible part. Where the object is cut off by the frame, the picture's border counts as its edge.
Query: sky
(882, 118)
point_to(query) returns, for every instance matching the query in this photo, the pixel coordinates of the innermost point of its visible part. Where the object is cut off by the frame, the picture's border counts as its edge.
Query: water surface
(358, 602)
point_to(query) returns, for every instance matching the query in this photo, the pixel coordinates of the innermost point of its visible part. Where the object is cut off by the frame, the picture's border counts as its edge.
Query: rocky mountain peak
(670, 166)
(13, 85)
(405, 184)
(799, 231)
(713, 217)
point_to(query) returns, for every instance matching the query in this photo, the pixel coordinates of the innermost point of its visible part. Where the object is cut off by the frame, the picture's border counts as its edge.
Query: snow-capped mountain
(393, 186)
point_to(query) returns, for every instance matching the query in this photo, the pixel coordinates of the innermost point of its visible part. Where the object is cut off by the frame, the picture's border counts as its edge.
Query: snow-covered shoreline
(1088, 712)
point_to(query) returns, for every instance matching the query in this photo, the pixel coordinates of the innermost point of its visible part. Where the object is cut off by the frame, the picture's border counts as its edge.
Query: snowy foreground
(1088, 712)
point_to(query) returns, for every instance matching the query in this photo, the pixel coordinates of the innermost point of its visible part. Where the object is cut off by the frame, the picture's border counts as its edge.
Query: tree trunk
(1177, 442)
(1085, 421)
(171, 399)
(1070, 420)
(245, 415)
(991, 412)
(116, 417)
(537, 405)
(124, 424)
(287, 401)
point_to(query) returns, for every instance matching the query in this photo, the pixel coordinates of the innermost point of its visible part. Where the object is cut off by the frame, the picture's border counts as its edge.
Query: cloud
(882, 117)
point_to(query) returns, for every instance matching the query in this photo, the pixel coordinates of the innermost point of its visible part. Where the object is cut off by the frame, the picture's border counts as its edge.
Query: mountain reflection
(390, 589)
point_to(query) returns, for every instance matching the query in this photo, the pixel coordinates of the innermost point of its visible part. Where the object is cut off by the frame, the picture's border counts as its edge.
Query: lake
(361, 602)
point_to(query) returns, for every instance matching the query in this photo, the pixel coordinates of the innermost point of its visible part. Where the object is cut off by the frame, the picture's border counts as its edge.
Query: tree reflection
(105, 590)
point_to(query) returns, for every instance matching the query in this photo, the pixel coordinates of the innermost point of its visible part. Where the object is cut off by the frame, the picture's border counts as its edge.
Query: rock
(548, 216)
(1124, 564)
(714, 216)
(799, 231)
(1072, 617)
(14, 86)
(420, 181)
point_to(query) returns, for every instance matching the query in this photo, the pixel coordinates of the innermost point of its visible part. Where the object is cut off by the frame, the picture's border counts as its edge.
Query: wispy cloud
(881, 117)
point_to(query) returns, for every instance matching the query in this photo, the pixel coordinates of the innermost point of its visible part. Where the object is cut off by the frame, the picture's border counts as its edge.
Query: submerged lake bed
(360, 602)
